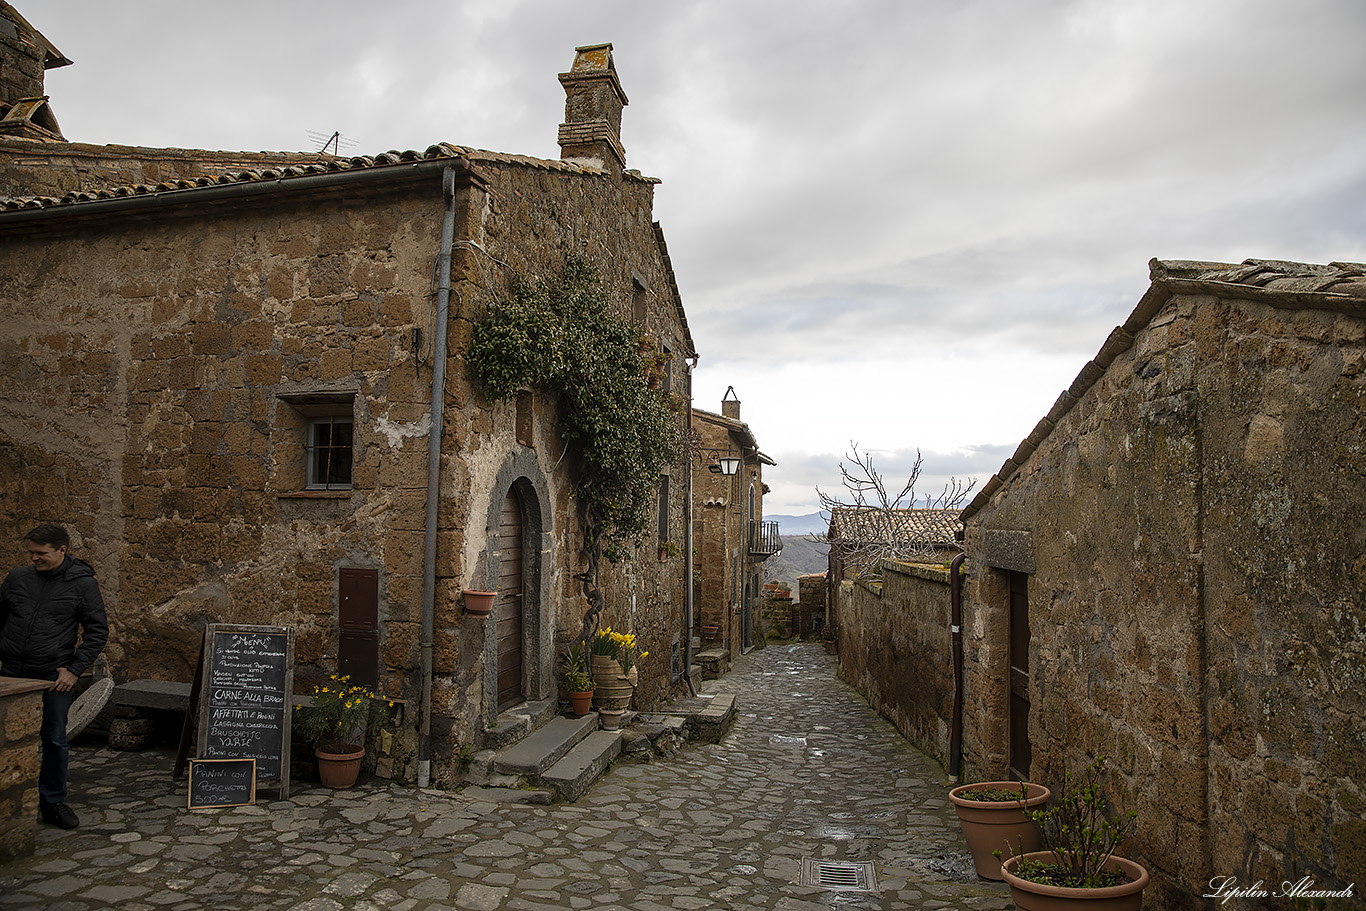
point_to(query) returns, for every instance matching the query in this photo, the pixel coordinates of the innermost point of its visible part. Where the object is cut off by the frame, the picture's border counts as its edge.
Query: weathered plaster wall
(895, 650)
(1192, 530)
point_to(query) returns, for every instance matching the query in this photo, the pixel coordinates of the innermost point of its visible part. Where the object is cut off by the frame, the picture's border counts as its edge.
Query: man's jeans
(52, 775)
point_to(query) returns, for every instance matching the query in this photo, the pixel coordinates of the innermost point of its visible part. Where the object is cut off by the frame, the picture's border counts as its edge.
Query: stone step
(545, 747)
(517, 722)
(573, 775)
(715, 662)
(715, 717)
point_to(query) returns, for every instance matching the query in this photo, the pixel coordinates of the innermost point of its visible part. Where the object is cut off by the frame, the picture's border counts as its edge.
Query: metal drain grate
(839, 875)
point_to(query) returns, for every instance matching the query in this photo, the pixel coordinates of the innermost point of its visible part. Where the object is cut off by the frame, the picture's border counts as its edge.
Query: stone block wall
(811, 602)
(21, 715)
(163, 368)
(895, 650)
(1190, 526)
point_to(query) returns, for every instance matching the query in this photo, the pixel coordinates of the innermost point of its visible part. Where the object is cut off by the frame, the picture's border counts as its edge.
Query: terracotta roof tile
(324, 164)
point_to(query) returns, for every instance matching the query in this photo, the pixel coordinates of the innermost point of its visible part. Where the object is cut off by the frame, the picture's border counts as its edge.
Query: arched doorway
(511, 588)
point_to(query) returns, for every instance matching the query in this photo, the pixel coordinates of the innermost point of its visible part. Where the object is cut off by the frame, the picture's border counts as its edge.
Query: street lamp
(728, 465)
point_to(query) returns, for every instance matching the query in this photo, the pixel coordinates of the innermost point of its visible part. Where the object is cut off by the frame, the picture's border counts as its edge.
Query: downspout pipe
(956, 629)
(687, 549)
(443, 306)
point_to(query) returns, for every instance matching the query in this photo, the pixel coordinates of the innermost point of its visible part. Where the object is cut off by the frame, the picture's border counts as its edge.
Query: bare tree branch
(872, 524)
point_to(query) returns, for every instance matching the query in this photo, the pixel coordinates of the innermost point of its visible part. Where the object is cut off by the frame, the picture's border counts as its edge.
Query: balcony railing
(764, 540)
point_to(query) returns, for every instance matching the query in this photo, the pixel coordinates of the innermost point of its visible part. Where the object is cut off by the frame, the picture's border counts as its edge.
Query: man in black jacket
(41, 607)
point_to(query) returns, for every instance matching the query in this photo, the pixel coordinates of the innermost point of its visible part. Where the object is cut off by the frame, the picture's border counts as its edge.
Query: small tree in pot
(1078, 867)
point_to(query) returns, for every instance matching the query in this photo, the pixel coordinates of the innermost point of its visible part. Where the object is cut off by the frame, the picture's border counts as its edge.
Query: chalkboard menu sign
(245, 699)
(222, 783)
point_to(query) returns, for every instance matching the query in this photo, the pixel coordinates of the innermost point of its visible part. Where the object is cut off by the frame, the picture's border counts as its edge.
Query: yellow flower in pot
(334, 722)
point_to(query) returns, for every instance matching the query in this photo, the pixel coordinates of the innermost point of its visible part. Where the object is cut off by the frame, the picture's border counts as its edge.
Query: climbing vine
(562, 335)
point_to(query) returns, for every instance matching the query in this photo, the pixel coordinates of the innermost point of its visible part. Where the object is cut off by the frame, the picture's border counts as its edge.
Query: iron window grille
(330, 452)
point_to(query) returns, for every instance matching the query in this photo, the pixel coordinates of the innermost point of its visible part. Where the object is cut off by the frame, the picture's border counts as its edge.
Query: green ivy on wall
(563, 336)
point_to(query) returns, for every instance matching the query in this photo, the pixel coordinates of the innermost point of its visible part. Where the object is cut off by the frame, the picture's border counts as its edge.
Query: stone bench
(140, 709)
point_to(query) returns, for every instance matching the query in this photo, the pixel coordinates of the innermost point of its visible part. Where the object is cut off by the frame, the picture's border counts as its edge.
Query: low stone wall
(21, 714)
(895, 650)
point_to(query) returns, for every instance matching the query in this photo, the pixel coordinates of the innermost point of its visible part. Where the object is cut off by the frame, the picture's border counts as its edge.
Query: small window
(329, 452)
(640, 302)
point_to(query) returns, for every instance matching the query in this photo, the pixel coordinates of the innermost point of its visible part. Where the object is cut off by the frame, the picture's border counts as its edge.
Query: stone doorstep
(573, 775)
(711, 723)
(546, 746)
(517, 722)
(714, 662)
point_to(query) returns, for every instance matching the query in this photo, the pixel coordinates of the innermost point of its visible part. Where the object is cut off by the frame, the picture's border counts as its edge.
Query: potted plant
(994, 817)
(577, 681)
(613, 667)
(1078, 868)
(334, 722)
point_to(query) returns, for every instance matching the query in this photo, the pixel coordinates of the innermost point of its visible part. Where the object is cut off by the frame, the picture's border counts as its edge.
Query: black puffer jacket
(39, 615)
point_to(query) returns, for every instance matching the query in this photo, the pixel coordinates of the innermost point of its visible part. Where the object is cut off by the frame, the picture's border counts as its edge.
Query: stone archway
(519, 658)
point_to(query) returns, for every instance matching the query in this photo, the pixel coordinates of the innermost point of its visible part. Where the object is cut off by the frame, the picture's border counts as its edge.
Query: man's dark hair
(54, 536)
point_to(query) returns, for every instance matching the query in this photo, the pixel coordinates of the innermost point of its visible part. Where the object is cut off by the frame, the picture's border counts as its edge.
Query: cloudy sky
(901, 223)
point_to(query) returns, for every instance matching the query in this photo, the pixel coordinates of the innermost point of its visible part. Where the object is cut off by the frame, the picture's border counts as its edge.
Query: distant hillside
(800, 556)
(800, 525)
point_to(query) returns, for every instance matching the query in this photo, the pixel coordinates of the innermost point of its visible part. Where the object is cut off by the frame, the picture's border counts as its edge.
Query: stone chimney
(25, 55)
(591, 132)
(730, 404)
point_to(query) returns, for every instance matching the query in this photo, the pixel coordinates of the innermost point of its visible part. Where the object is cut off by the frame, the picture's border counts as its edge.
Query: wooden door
(358, 625)
(1020, 754)
(509, 604)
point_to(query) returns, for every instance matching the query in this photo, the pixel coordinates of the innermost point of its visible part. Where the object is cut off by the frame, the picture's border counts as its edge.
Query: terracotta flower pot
(581, 703)
(610, 718)
(479, 603)
(614, 689)
(341, 769)
(1031, 896)
(992, 825)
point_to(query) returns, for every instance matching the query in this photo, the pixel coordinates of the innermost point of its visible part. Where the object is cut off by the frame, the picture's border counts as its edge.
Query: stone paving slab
(806, 771)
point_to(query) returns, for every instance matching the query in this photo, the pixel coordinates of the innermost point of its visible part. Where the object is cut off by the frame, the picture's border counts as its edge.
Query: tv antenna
(336, 141)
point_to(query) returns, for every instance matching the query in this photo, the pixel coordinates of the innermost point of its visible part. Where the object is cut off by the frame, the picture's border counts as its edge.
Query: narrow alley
(809, 781)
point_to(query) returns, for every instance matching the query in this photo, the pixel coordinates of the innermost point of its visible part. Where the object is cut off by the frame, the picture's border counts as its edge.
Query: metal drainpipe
(443, 302)
(687, 549)
(956, 628)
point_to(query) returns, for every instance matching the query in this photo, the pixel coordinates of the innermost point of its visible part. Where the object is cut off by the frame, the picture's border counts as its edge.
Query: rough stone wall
(1192, 531)
(811, 590)
(151, 363)
(532, 219)
(21, 716)
(895, 650)
(21, 63)
(57, 168)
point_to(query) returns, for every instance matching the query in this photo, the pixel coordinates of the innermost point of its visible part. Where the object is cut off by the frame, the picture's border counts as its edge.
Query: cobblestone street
(807, 772)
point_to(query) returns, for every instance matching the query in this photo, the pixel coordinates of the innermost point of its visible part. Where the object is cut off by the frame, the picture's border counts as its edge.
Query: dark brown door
(509, 604)
(358, 622)
(1019, 675)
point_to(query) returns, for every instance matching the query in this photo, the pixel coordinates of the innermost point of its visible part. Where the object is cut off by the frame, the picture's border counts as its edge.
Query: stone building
(860, 538)
(1170, 572)
(731, 538)
(220, 370)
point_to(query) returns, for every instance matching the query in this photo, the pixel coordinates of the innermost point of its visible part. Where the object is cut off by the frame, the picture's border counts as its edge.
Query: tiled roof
(325, 164)
(1337, 286)
(930, 526)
